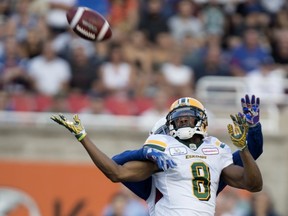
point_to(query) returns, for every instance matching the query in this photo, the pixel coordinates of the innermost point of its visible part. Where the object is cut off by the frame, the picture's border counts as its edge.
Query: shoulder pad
(157, 141)
(215, 141)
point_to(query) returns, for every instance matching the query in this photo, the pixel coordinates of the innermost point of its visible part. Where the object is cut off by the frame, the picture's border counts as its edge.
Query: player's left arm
(251, 110)
(249, 176)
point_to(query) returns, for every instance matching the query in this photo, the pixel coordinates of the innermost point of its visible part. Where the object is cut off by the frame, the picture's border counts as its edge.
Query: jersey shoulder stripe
(156, 144)
(156, 141)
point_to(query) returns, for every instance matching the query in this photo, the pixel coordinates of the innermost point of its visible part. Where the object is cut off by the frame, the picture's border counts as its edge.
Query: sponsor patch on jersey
(210, 151)
(177, 151)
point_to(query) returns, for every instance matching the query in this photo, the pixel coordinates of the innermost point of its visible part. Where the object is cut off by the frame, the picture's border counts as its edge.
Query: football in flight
(88, 24)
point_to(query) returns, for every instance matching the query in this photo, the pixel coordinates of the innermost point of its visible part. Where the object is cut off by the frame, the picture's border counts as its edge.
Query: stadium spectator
(162, 49)
(280, 20)
(50, 74)
(96, 106)
(5, 8)
(123, 14)
(13, 68)
(212, 63)
(124, 203)
(272, 7)
(249, 55)
(249, 7)
(84, 68)
(231, 203)
(213, 18)
(178, 79)
(56, 15)
(185, 21)
(21, 21)
(138, 53)
(267, 81)
(280, 47)
(191, 48)
(235, 26)
(152, 20)
(117, 76)
(158, 109)
(262, 204)
(32, 45)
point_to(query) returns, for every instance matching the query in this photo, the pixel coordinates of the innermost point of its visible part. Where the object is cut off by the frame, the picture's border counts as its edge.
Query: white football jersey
(190, 188)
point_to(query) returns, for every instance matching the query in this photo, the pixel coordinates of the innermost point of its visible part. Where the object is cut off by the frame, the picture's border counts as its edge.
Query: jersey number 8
(201, 180)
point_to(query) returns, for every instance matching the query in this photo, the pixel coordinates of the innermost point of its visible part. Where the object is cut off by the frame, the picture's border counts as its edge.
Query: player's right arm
(131, 171)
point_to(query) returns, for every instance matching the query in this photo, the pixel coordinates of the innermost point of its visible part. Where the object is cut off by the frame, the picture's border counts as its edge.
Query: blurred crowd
(158, 47)
(230, 202)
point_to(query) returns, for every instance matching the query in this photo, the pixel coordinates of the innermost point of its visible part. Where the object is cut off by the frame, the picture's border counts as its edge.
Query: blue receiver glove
(163, 161)
(251, 110)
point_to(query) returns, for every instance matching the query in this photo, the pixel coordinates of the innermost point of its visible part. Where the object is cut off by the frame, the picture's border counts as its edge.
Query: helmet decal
(186, 101)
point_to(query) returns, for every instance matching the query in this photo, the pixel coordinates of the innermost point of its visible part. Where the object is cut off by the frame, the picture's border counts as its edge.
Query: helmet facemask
(186, 121)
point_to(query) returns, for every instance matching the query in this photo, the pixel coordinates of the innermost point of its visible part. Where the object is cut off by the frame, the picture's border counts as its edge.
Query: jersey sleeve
(158, 142)
(129, 155)
(226, 155)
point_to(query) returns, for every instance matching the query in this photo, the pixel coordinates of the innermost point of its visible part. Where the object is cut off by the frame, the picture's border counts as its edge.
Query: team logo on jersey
(222, 145)
(177, 151)
(210, 151)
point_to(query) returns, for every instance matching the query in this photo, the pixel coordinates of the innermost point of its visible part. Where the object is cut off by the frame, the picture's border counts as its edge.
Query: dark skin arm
(130, 171)
(247, 177)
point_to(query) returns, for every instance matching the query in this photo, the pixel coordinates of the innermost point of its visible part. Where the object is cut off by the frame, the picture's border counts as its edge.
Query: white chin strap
(185, 133)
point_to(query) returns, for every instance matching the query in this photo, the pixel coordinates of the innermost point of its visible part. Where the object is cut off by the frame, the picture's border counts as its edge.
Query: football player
(190, 188)
(251, 110)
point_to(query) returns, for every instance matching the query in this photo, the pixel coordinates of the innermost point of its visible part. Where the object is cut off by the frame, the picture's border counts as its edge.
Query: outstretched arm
(255, 146)
(250, 109)
(131, 171)
(118, 173)
(249, 176)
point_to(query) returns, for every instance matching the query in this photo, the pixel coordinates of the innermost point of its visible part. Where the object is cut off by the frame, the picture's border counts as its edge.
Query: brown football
(88, 24)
